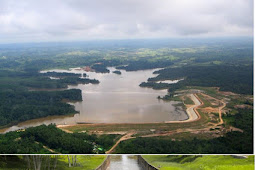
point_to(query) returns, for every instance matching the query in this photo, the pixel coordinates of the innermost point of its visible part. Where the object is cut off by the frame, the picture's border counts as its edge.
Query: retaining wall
(145, 165)
(105, 164)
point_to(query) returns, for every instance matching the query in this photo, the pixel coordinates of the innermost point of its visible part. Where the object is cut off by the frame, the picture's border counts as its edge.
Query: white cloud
(57, 20)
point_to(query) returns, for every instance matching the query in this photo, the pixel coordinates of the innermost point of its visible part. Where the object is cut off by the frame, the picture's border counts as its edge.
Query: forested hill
(238, 79)
(23, 105)
(32, 140)
(18, 103)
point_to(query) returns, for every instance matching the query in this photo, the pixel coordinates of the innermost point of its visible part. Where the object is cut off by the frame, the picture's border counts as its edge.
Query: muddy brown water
(116, 99)
(124, 162)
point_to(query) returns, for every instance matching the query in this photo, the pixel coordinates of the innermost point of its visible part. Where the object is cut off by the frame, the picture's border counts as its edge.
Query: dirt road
(125, 137)
(219, 109)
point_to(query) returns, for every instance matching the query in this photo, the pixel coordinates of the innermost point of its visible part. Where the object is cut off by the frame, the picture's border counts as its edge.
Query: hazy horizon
(130, 40)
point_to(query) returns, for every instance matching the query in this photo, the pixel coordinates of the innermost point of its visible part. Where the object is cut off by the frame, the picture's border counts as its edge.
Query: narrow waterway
(124, 162)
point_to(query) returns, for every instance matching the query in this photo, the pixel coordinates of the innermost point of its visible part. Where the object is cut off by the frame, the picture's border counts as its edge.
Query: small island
(117, 72)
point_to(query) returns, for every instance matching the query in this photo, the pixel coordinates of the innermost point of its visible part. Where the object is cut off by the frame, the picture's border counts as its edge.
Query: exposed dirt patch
(210, 110)
(243, 106)
(227, 93)
(213, 101)
(109, 133)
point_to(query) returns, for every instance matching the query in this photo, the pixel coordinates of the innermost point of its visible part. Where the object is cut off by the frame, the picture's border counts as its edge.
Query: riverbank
(35, 122)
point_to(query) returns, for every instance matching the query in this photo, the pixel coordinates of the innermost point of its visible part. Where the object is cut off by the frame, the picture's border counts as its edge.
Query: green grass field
(86, 162)
(188, 101)
(209, 162)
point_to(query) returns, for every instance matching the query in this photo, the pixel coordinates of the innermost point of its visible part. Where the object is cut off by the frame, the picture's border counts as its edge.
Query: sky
(71, 20)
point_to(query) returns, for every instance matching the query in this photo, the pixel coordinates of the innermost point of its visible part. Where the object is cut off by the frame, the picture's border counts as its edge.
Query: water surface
(116, 99)
(120, 99)
(124, 162)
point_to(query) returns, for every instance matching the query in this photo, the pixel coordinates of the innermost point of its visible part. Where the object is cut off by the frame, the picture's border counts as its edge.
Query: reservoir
(120, 99)
(116, 99)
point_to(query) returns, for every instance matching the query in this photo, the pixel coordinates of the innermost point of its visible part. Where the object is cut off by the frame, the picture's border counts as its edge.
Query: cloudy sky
(64, 20)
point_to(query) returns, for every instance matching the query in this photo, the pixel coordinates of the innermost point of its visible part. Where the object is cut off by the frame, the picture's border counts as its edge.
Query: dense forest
(24, 95)
(238, 79)
(117, 72)
(144, 64)
(100, 68)
(156, 85)
(56, 74)
(23, 105)
(33, 139)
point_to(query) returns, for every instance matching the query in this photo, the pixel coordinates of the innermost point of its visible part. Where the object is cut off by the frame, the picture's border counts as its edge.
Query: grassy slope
(203, 163)
(87, 162)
